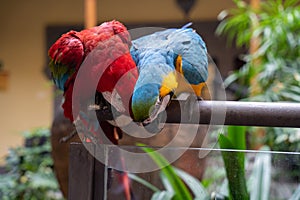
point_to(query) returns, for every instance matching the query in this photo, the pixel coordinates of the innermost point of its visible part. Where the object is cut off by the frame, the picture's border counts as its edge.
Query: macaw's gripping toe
(156, 125)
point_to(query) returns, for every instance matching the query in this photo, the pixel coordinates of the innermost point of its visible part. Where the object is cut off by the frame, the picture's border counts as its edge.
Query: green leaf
(167, 183)
(291, 96)
(181, 191)
(289, 3)
(261, 176)
(143, 182)
(41, 180)
(235, 171)
(162, 195)
(237, 136)
(224, 189)
(296, 195)
(224, 142)
(230, 79)
(194, 184)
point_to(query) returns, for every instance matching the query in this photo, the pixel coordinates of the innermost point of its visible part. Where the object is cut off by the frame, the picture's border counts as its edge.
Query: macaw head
(143, 101)
(148, 98)
(66, 55)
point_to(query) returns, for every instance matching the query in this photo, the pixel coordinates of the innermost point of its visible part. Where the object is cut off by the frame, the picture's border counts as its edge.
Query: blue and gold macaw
(161, 58)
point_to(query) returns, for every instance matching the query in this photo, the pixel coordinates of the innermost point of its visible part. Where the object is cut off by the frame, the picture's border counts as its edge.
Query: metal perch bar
(240, 113)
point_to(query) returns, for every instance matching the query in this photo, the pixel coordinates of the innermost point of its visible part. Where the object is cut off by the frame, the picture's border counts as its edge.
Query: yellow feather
(198, 88)
(178, 64)
(169, 84)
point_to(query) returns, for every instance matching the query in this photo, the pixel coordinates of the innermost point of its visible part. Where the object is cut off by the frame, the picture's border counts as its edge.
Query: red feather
(109, 61)
(67, 50)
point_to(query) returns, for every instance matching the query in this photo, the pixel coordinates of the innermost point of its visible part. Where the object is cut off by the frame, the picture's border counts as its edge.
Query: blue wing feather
(185, 42)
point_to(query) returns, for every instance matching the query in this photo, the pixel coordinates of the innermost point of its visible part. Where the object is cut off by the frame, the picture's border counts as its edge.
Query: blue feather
(60, 82)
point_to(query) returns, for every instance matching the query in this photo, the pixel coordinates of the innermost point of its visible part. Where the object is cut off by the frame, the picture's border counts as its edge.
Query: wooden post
(254, 45)
(86, 174)
(90, 13)
(255, 4)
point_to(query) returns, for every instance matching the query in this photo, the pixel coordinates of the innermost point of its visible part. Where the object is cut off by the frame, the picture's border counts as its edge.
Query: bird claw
(68, 137)
(189, 100)
(189, 106)
(160, 107)
(154, 126)
(157, 115)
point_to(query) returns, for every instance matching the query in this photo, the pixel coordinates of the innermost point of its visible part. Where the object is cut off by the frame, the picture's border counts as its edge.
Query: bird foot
(68, 137)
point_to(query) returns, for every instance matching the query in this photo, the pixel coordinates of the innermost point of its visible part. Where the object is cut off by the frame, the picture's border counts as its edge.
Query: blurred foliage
(29, 173)
(236, 185)
(275, 65)
(272, 71)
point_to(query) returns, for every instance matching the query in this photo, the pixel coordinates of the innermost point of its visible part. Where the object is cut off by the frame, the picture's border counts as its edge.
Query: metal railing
(240, 113)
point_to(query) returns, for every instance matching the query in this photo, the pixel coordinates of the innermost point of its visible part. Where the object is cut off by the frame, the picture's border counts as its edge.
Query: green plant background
(272, 72)
(29, 168)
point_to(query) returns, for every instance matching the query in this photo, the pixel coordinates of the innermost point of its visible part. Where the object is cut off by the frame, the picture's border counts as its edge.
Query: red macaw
(104, 52)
